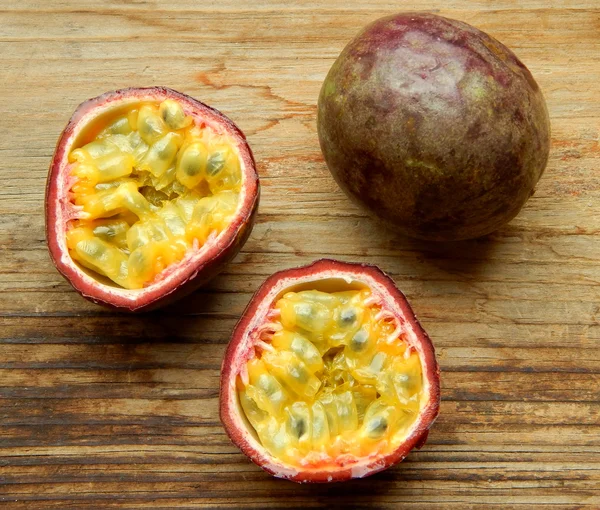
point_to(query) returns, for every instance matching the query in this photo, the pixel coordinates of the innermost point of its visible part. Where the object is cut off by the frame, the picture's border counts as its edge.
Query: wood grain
(102, 410)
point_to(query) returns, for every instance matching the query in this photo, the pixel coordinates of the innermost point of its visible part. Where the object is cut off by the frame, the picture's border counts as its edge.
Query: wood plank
(104, 410)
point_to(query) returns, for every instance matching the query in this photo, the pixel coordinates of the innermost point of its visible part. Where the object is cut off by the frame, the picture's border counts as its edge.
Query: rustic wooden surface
(102, 410)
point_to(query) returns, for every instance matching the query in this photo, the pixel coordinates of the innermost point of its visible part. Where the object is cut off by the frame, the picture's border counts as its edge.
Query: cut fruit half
(150, 193)
(329, 375)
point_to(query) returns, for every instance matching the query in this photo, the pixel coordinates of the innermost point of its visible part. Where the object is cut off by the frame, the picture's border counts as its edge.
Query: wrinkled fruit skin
(433, 126)
(189, 274)
(237, 354)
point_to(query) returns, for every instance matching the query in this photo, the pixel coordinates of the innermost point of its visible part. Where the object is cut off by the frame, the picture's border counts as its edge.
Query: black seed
(139, 262)
(348, 316)
(299, 374)
(377, 426)
(192, 169)
(298, 426)
(104, 231)
(120, 126)
(93, 248)
(174, 120)
(166, 152)
(148, 128)
(359, 340)
(168, 117)
(215, 163)
(304, 310)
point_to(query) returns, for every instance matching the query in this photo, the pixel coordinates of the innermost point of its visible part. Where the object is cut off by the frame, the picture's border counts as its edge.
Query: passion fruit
(433, 126)
(150, 193)
(328, 375)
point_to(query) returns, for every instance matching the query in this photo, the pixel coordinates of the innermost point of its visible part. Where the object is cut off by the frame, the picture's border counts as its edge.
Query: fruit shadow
(409, 259)
(188, 320)
(389, 486)
(162, 346)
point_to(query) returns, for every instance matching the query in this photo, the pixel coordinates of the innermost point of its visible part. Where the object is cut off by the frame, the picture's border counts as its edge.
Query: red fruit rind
(241, 348)
(199, 264)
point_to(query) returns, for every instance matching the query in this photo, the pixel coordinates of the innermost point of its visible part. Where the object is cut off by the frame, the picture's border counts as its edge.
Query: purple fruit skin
(433, 126)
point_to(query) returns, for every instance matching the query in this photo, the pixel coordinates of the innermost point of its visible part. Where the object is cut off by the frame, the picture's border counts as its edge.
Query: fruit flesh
(332, 379)
(150, 185)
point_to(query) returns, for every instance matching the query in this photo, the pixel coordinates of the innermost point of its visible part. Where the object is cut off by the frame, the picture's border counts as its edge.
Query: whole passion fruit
(150, 193)
(328, 375)
(433, 126)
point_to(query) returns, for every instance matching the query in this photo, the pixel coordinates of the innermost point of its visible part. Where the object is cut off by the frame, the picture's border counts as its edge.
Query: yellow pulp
(332, 379)
(151, 185)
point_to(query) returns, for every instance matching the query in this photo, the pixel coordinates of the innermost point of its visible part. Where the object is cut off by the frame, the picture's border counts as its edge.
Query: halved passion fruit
(329, 375)
(150, 193)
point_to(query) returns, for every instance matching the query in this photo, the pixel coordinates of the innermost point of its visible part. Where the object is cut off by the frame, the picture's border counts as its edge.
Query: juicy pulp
(332, 378)
(151, 185)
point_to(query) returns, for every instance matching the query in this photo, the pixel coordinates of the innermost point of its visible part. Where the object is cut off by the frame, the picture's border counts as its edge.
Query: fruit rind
(433, 126)
(238, 351)
(198, 266)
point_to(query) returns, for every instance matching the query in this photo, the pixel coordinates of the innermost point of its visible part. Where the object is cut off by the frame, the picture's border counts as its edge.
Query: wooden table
(103, 410)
